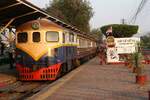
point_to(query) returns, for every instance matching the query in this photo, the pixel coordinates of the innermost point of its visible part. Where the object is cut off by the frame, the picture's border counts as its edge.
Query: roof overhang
(17, 12)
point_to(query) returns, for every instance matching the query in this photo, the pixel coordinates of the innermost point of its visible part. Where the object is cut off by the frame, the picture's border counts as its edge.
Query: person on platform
(102, 54)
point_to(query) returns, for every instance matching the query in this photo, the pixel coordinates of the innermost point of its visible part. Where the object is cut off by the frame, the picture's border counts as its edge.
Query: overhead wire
(139, 9)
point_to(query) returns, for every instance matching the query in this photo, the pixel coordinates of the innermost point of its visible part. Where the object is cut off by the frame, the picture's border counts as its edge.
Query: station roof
(18, 12)
(21, 11)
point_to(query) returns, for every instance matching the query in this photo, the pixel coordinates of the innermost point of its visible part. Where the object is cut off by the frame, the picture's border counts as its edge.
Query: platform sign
(122, 46)
(126, 45)
(112, 55)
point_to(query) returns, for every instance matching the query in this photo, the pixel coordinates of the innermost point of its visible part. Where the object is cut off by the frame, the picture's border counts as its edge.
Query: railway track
(21, 90)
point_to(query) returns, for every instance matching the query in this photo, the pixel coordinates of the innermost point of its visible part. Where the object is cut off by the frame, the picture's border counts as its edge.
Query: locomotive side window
(22, 37)
(52, 36)
(36, 36)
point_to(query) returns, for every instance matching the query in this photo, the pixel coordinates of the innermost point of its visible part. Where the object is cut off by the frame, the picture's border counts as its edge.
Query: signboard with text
(126, 45)
(122, 46)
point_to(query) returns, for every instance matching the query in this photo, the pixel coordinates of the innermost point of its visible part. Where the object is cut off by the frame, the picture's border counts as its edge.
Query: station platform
(92, 81)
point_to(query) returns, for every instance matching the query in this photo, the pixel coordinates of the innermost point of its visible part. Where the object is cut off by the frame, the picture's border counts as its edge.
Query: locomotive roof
(22, 11)
(43, 24)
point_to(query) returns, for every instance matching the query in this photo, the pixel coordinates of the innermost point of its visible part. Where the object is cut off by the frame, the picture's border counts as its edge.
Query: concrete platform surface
(7, 75)
(92, 81)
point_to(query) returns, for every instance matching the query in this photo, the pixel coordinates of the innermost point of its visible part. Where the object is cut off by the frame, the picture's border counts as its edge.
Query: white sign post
(126, 45)
(122, 46)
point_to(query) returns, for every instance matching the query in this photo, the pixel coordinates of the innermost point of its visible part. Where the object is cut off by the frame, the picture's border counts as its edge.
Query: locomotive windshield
(36, 37)
(22, 37)
(52, 36)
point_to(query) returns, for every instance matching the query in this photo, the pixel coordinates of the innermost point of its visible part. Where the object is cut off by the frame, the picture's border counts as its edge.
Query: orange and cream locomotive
(45, 50)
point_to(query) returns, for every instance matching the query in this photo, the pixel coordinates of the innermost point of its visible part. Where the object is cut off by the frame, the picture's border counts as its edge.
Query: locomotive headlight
(35, 25)
(18, 56)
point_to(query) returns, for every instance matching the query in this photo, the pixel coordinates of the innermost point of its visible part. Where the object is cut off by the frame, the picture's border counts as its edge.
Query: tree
(121, 30)
(75, 12)
(97, 33)
(146, 41)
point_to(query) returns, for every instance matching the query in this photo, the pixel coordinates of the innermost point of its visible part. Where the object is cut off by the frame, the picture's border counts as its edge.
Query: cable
(139, 9)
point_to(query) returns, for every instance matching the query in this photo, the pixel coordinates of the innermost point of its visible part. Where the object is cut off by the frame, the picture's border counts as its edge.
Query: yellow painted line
(52, 89)
(28, 51)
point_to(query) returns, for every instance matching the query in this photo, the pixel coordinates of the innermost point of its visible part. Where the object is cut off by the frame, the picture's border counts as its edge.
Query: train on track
(45, 50)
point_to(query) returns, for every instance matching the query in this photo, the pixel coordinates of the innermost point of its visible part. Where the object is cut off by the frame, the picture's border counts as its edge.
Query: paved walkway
(92, 81)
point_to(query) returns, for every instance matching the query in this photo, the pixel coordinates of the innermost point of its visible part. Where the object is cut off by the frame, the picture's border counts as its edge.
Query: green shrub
(121, 30)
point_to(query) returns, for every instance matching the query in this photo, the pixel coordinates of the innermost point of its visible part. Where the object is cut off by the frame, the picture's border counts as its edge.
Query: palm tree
(138, 66)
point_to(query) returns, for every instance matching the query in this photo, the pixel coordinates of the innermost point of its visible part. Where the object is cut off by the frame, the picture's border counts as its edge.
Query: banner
(126, 45)
(122, 46)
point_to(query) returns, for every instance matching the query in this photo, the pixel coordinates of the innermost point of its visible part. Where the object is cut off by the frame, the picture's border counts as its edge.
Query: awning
(22, 11)
(17, 12)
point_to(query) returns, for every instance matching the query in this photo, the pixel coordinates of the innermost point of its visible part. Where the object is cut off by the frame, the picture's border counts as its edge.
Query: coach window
(52, 36)
(36, 37)
(71, 37)
(64, 38)
(22, 37)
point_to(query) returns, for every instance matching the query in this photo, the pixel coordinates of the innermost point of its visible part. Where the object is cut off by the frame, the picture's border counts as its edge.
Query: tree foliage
(121, 30)
(146, 41)
(75, 12)
(97, 32)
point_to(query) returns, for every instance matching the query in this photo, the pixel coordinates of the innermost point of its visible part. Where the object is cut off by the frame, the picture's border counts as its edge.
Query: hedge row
(121, 30)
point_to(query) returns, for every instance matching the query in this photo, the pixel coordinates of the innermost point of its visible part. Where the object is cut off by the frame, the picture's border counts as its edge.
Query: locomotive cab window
(22, 37)
(52, 36)
(36, 36)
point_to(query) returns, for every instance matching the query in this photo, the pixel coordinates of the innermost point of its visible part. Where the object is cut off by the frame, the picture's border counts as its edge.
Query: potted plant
(130, 65)
(137, 58)
(128, 61)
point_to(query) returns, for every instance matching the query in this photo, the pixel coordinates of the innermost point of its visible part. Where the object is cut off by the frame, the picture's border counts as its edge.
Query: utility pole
(123, 21)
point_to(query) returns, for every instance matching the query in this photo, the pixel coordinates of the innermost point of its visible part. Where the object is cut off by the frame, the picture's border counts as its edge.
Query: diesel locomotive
(46, 50)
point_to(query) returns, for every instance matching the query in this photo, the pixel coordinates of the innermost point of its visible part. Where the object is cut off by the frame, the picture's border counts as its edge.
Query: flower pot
(141, 79)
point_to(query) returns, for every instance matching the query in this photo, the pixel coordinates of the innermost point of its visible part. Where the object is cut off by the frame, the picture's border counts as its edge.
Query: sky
(112, 11)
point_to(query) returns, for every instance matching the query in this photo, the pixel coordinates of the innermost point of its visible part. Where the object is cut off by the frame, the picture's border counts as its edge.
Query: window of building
(52, 36)
(22, 37)
(36, 37)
